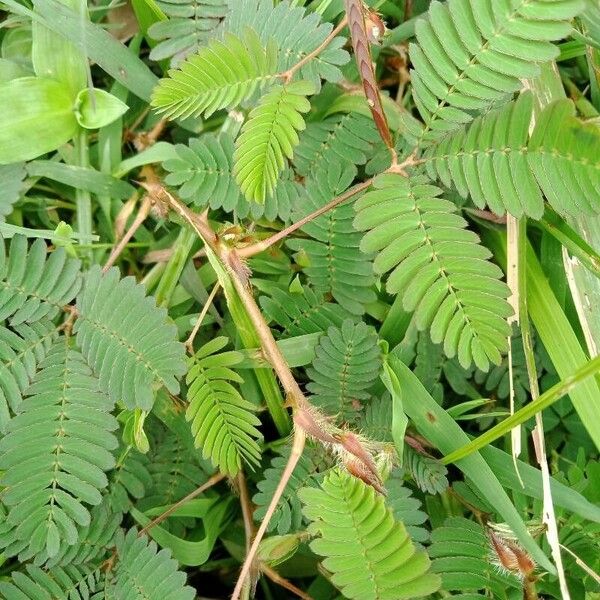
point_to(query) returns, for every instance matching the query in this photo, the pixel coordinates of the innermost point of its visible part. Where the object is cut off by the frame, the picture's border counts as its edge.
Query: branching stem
(261, 246)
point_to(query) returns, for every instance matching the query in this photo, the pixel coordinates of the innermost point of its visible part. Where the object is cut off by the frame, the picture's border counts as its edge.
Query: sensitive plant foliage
(274, 270)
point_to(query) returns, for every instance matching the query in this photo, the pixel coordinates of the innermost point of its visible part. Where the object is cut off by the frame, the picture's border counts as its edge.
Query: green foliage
(220, 75)
(423, 242)
(429, 474)
(346, 138)
(471, 55)
(22, 348)
(223, 423)
(288, 514)
(38, 117)
(346, 364)
(32, 286)
(350, 520)
(11, 183)
(381, 325)
(127, 339)
(268, 137)
(301, 313)
(494, 162)
(334, 262)
(55, 453)
(296, 34)
(144, 571)
(190, 25)
(60, 583)
(463, 556)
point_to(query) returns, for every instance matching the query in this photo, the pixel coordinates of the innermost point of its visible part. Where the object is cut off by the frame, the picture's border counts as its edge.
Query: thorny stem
(199, 490)
(287, 75)
(139, 219)
(295, 454)
(288, 585)
(189, 344)
(258, 247)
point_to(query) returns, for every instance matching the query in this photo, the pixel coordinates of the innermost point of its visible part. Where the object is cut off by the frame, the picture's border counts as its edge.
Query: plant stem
(199, 490)
(295, 454)
(189, 343)
(83, 198)
(261, 246)
(287, 75)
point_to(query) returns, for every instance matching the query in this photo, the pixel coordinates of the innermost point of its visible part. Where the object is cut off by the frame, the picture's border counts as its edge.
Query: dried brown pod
(361, 34)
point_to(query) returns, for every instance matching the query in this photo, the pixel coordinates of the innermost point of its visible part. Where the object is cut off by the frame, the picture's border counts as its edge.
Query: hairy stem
(295, 454)
(280, 235)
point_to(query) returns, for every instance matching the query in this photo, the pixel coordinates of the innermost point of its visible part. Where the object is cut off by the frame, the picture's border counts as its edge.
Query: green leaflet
(220, 75)
(37, 116)
(223, 423)
(399, 418)
(433, 422)
(471, 54)
(349, 520)
(96, 108)
(127, 338)
(437, 265)
(268, 137)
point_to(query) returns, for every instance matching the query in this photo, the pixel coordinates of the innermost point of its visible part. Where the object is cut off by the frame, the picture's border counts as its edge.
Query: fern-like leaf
(126, 339)
(220, 75)
(144, 572)
(334, 263)
(190, 25)
(428, 474)
(462, 555)
(33, 287)
(438, 265)
(268, 137)
(564, 154)
(302, 313)
(223, 423)
(11, 184)
(296, 34)
(488, 161)
(492, 162)
(345, 138)
(173, 470)
(22, 348)
(347, 362)
(56, 452)
(129, 480)
(369, 555)
(474, 53)
(406, 508)
(60, 583)
(288, 513)
(202, 172)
